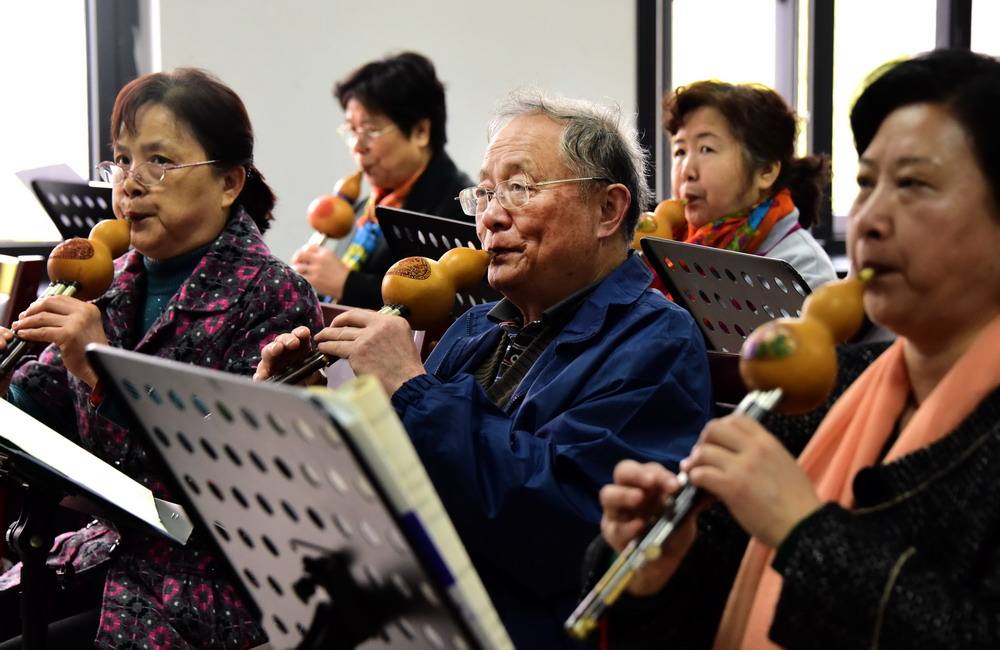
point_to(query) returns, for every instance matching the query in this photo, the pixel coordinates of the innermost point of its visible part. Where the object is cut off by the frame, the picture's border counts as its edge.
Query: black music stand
(51, 471)
(728, 293)
(274, 474)
(411, 233)
(74, 207)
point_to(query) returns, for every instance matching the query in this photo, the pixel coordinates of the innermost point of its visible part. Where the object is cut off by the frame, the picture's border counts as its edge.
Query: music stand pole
(31, 536)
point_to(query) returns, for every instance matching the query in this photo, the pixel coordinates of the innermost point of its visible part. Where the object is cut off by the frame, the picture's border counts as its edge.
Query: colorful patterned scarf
(745, 230)
(368, 233)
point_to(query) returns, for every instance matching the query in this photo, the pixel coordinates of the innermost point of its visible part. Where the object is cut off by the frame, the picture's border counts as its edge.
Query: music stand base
(31, 537)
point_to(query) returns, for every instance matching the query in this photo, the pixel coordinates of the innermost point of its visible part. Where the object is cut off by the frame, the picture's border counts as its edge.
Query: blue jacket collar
(623, 286)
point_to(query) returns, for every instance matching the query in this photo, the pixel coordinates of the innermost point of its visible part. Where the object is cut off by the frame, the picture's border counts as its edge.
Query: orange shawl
(393, 199)
(850, 438)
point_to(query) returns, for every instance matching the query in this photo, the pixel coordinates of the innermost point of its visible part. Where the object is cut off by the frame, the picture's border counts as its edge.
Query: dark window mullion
(954, 24)
(652, 80)
(111, 25)
(821, 105)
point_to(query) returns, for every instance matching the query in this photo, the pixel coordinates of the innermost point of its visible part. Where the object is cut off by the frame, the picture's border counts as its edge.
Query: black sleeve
(853, 583)
(364, 288)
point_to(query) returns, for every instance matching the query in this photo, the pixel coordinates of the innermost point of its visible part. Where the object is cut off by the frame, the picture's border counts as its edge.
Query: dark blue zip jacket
(626, 378)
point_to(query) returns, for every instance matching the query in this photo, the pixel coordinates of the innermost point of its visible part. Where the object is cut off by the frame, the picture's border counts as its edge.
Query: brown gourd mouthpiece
(84, 262)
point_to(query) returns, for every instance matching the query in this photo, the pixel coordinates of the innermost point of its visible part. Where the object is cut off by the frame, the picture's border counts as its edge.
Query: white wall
(43, 117)
(283, 58)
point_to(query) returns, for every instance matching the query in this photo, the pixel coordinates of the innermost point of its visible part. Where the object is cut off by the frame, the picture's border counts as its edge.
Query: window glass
(738, 49)
(803, 52)
(985, 36)
(43, 51)
(721, 39)
(866, 35)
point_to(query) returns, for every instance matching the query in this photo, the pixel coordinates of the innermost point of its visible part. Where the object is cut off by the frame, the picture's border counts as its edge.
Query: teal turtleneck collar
(164, 278)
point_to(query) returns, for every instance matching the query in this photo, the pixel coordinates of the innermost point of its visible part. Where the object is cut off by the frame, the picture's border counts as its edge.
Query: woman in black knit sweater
(886, 531)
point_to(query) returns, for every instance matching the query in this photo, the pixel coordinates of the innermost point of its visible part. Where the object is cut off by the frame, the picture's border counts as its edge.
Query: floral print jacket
(239, 297)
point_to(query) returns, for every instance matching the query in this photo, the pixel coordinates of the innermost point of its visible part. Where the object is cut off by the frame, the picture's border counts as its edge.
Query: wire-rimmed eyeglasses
(148, 173)
(351, 135)
(511, 194)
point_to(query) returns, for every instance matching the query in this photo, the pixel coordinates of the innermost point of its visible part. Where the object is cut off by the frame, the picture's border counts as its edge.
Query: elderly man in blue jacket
(526, 405)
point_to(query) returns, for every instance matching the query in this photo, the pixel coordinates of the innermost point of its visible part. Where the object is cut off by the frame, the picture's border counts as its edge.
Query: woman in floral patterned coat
(200, 287)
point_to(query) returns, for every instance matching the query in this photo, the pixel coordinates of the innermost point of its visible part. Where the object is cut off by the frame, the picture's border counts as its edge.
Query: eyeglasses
(510, 194)
(351, 135)
(148, 173)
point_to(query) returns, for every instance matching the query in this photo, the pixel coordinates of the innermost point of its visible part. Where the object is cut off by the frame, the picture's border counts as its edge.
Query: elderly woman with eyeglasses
(395, 126)
(200, 287)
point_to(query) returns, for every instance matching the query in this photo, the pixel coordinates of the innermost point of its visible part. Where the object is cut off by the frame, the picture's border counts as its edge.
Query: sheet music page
(391, 454)
(78, 465)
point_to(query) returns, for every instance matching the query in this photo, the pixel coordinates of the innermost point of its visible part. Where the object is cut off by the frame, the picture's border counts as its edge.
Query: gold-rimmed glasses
(351, 135)
(511, 194)
(148, 173)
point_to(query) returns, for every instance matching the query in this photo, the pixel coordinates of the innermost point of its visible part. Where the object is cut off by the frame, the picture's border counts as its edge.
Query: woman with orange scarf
(886, 530)
(735, 168)
(394, 125)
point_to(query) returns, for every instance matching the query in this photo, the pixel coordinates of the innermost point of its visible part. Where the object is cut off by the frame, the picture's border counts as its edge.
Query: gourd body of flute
(332, 215)
(114, 233)
(798, 355)
(427, 288)
(667, 221)
(82, 261)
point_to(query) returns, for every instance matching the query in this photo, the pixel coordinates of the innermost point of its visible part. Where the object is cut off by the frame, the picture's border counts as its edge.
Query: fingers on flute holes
(713, 480)
(626, 470)
(627, 531)
(654, 477)
(631, 503)
(336, 334)
(287, 342)
(618, 534)
(613, 498)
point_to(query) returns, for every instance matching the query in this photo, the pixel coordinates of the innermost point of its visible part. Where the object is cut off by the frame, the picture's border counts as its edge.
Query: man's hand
(743, 465)
(322, 269)
(373, 343)
(283, 352)
(639, 493)
(68, 323)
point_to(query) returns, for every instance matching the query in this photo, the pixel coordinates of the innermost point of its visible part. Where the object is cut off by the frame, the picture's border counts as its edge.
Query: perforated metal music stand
(74, 207)
(411, 233)
(50, 470)
(271, 474)
(728, 293)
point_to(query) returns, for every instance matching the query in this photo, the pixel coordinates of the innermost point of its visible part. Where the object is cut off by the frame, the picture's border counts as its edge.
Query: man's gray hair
(595, 142)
